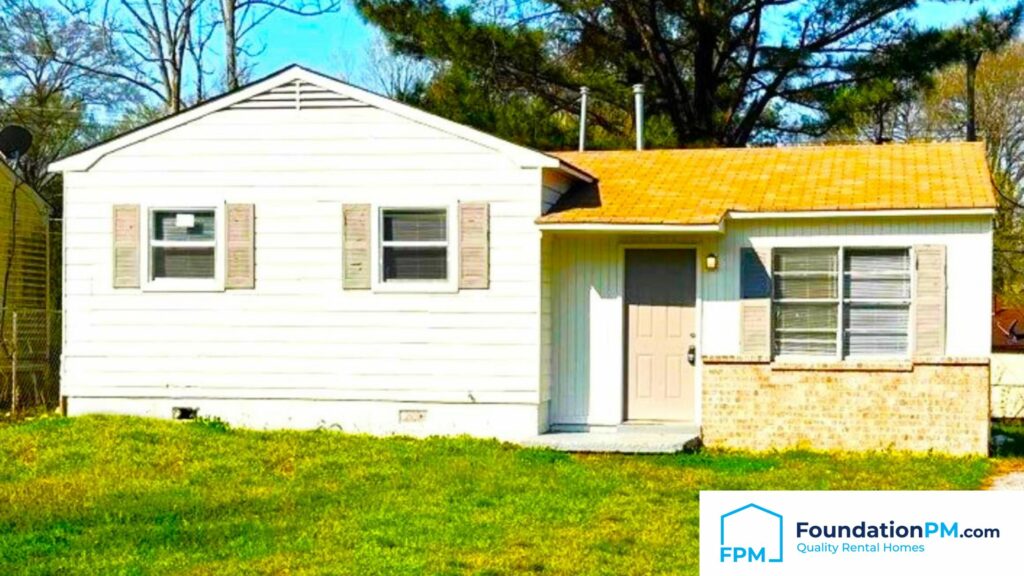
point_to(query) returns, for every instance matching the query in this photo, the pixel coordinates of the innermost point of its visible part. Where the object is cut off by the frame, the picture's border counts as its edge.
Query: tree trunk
(704, 86)
(230, 44)
(972, 72)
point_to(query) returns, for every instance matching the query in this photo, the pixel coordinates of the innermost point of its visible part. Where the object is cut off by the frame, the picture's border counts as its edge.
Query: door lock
(691, 355)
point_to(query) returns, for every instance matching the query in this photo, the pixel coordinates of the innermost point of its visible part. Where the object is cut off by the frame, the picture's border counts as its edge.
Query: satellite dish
(14, 142)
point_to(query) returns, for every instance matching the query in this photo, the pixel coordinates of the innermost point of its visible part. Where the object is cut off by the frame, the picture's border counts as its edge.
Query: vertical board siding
(587, 307)
(298, 333)
(967, 241)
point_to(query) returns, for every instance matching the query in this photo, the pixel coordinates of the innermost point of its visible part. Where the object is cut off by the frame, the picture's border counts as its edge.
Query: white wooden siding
(298, 334)
(585, 275)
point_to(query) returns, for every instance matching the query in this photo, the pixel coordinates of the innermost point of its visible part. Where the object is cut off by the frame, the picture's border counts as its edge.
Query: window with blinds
(849, 302)
(182, 244)
(805, 301)
(414, 245)
(876, 316)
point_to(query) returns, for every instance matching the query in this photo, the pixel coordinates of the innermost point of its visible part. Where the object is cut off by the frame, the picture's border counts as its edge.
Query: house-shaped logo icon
(751, 533)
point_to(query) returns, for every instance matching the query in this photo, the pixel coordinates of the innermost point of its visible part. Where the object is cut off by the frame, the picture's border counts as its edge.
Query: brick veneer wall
(940, 405)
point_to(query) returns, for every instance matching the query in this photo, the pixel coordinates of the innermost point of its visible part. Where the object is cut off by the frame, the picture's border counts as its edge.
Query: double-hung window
(841, 302)
(182, 245)
(414, 245)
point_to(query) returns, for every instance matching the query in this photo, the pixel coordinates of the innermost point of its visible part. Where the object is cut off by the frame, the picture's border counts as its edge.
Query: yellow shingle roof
(700, 186)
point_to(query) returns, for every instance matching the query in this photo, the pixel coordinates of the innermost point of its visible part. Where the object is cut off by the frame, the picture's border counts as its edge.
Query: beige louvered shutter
(356, 246)
(241, 257)
(474, 248)
(126, 246)
(930, 300)
(755, 301)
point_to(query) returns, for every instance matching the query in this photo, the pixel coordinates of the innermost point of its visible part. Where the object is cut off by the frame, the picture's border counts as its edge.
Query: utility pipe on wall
(638, 93)
(583, 116)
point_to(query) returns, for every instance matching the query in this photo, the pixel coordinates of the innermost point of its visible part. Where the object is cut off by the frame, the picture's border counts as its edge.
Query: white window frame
(842, 301)
(150, 284)
(449, 285)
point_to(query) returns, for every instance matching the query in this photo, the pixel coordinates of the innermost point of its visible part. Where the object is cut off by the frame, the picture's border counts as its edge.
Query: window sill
(445, 287)
(880, 365)
(183, 286)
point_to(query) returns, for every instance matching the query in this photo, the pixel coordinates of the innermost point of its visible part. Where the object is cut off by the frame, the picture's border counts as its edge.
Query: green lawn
(104, 495)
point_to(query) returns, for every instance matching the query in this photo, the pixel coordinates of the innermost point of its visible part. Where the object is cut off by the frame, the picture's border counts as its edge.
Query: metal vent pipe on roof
(638, 94)
(583, 116)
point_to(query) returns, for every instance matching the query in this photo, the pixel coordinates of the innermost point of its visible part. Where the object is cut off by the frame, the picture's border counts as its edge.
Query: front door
(661, 294)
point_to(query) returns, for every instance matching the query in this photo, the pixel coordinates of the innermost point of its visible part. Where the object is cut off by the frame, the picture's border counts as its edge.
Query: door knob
(691, 355)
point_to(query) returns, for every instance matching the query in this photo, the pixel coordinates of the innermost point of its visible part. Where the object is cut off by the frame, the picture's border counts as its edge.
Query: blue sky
(337, 43)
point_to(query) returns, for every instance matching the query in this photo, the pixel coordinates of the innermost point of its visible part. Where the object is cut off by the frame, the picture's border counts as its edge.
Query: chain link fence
(29, 359)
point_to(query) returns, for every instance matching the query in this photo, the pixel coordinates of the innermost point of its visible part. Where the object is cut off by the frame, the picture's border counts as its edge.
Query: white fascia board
(524, 157)
(636, 228)
(576, 172)
(861, 213)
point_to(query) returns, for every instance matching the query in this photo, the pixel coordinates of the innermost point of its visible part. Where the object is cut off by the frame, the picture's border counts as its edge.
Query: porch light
(711, 262)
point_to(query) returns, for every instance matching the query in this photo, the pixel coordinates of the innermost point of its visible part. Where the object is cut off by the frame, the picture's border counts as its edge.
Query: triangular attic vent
(297, 95)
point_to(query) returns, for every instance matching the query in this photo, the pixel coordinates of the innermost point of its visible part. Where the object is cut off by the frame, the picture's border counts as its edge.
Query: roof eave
(632, 227)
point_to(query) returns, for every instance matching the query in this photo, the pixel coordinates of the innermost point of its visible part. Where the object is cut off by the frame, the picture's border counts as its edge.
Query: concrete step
(681, 428)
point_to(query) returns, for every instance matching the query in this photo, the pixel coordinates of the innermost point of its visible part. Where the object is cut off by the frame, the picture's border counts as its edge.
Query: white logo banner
(795, 533)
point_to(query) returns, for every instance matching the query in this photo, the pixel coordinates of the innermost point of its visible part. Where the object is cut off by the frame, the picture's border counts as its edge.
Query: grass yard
(106, 495)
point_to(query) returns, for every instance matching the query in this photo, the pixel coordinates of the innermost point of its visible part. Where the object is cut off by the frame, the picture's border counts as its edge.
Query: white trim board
(524, 157)
(677, 228)
(733, 215)
(801, 215)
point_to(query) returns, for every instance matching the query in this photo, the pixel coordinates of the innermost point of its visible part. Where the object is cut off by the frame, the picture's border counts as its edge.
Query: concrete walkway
(1011, 481)
(626, 439)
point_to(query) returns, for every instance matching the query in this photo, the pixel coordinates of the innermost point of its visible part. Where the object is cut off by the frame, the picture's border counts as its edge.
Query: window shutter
(474, 264)
(930, 300)
(126, 246)
(356, 246)
(241, 261)
(755, 301)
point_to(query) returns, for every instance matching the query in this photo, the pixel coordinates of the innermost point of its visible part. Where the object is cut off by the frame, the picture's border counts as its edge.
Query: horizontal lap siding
(298, 334)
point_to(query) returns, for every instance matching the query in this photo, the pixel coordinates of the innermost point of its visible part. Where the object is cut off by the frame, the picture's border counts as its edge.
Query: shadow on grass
(1007, 440)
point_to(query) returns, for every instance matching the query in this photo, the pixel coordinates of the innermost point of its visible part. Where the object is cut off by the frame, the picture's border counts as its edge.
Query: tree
(45, 55)
(158, 34)
(998, 103)
(713, 74)
(998, 96)
(984, 34)
(883, 107)
(241, 17)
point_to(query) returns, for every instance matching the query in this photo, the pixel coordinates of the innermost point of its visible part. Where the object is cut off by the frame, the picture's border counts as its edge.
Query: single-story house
(302, 253)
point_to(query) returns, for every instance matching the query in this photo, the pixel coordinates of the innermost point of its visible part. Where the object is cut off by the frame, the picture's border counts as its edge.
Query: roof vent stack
(638, 95)
(583, 116)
